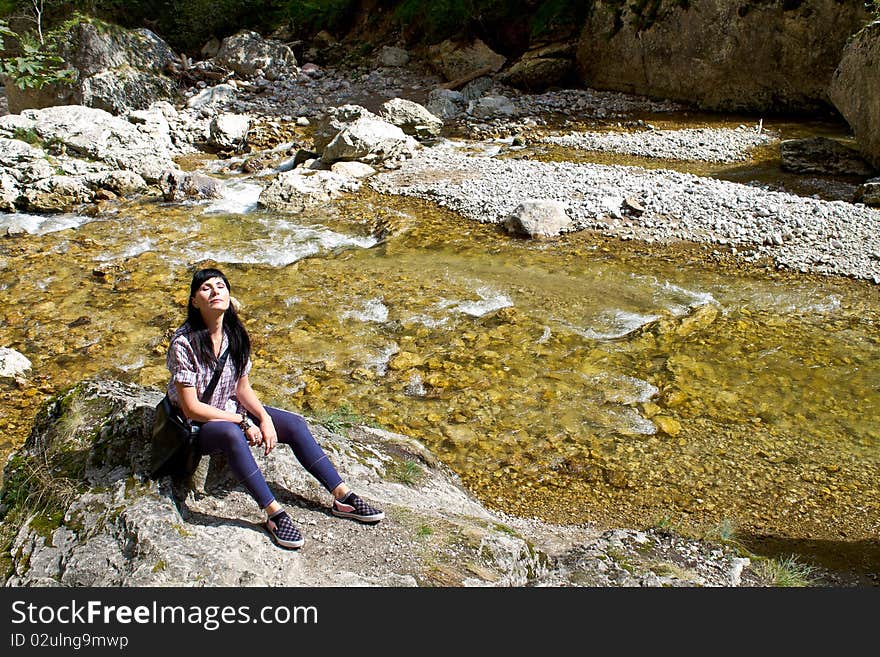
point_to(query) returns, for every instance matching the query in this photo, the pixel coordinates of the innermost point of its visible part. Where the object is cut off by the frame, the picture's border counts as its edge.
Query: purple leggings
(228, 438)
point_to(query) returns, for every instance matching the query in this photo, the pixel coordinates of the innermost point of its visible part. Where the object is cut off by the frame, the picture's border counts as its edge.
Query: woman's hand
(270, 438)
(254, 435)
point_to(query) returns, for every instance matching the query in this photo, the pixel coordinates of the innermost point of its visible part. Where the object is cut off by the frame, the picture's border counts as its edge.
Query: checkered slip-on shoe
(281, 527)
(351, 506)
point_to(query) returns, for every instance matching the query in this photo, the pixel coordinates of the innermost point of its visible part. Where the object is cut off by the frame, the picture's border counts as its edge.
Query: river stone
(228, 131)
(392, 56)
(541, 68)
(300, 189)
(412, 118)
(445, 103)
(335, 120)
(491, 106)
(118, 182)
(212, 96)
(25, 163)
(405, 360)
(246, 53)
(12, 363)
(96, 135)
(669, 426)
(869, 193)
(454, 61)
(476, 88)
(352, 169)
(118, 528)
(10, 192)
(369, 140)
(822, 155)
(56, 194)
(538, 218)
(179, 185)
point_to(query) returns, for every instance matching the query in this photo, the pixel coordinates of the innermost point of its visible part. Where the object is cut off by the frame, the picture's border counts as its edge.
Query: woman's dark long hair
(239, 340)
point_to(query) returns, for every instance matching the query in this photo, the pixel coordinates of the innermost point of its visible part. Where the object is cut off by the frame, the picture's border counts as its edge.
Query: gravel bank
(803, 234)
(719, 145)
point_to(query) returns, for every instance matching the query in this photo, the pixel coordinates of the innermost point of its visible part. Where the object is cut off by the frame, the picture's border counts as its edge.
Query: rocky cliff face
(116, 70)
(756, 55)
(79, 511)
(854, 90)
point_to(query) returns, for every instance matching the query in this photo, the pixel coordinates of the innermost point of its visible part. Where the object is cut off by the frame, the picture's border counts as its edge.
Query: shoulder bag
(175, 443)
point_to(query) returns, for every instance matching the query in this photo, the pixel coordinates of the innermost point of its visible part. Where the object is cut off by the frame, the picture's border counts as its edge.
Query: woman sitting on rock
(233, 419)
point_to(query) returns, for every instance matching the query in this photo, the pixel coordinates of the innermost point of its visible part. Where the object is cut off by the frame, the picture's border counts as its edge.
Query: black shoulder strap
(209, 391)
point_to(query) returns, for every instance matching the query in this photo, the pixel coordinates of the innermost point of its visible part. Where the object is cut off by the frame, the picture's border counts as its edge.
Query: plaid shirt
(187, 370)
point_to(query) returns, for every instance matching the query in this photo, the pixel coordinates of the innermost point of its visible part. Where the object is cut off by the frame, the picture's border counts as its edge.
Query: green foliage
(28, 135)
(553, 15)
(443, 19)
(311, 16)
(424, 530)
(36, 65)
(8, 6)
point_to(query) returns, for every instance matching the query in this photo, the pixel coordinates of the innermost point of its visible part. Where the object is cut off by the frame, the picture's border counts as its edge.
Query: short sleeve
(247, 367)
(181, 362)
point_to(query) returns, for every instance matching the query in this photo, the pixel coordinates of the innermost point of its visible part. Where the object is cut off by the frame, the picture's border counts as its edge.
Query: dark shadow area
(855, 563)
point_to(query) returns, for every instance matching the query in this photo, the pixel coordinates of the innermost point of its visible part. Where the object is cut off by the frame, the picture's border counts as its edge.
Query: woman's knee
(288, 423)
(223, 437)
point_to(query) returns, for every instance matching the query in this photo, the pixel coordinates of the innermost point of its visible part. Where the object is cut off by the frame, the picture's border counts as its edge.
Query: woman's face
(212, 296)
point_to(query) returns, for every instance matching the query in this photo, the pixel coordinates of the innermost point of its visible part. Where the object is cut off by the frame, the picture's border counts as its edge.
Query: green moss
(45, 523)
(506, 529)
(180, 529)
(621, 559)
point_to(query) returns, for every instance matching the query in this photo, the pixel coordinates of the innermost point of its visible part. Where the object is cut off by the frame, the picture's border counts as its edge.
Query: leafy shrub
(36, 63)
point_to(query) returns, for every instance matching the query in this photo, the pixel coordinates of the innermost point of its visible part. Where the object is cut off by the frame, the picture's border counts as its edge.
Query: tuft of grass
(407, 472)
(28, 135)
(39, 486)
(73, 419)
(724, 532)
(341, 420)
(424, 530)
(786, 572)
